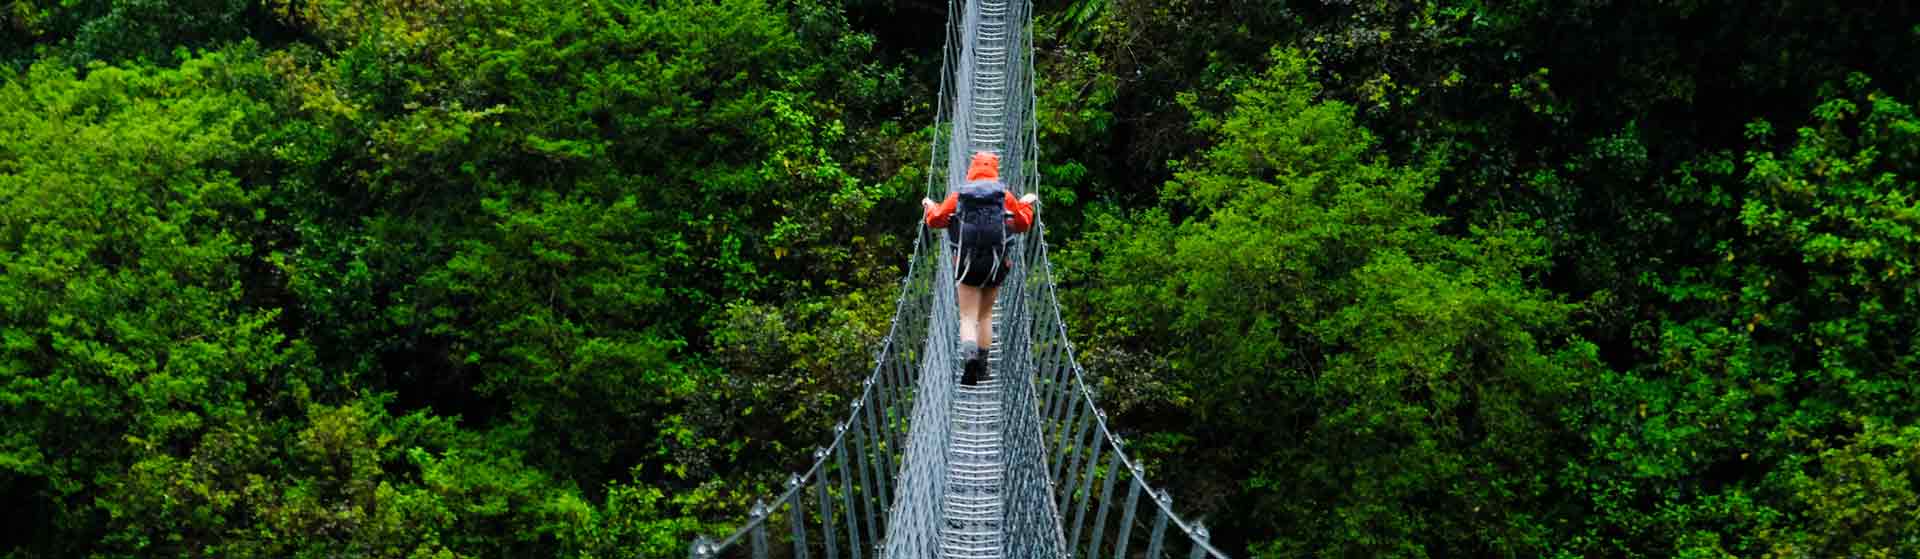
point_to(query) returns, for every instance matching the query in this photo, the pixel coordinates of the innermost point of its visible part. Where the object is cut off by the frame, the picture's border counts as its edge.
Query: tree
(1370, 377)
(1795, 338)
(125, 234)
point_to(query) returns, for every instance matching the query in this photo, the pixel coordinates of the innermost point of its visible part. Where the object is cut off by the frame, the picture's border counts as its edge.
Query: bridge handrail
(1162, 499)
(762, 510)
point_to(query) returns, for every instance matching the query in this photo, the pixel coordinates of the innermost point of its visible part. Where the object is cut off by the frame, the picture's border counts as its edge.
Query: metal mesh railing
(841, 504)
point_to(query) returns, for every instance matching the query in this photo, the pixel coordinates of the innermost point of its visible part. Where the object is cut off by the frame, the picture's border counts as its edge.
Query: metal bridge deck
(976, 469)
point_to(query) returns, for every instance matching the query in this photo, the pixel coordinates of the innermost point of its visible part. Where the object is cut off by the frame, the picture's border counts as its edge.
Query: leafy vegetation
(1437, 278)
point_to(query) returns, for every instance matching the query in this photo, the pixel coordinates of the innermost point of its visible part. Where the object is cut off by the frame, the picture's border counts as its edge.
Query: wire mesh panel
(915, 527)
(1032, 528)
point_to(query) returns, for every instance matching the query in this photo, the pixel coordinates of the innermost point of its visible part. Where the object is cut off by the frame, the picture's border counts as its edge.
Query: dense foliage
(1440, 278)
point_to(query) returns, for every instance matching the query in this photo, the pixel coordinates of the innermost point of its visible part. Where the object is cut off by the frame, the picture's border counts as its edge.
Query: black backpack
(981, 223)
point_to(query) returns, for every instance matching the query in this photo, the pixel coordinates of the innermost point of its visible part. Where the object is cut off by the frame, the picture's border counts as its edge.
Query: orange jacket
(1021, 221)
(985, 166)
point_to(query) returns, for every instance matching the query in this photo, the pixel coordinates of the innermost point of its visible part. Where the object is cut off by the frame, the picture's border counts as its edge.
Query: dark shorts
(982, 268)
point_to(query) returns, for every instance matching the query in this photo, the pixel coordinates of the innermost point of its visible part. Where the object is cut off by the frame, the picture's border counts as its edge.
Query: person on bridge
(987, 210)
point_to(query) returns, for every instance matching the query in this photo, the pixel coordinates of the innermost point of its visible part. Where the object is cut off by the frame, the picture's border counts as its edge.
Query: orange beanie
(985, 166)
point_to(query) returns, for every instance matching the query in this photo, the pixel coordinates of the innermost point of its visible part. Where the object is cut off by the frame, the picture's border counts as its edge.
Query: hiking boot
(986, 367)
(976, 367)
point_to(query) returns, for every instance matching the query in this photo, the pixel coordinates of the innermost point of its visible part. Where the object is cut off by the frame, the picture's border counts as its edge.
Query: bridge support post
(865, 466)
(1126, 518)
(826, 506)
(760, 529)
(1199, 541)
(1086, 486)
(1077, 448)
(846, 494)
(881, 463)
(796, 516)
(1159, 523)
(1061, 431)
(1106, 502)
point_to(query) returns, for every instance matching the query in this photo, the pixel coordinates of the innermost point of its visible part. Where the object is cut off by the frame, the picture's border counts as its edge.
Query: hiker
(987, 210)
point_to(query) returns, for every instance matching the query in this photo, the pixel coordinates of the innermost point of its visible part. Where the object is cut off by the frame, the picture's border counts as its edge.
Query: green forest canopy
(491, 278)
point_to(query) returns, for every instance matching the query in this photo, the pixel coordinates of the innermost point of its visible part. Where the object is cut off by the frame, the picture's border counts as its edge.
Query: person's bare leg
(985, 316)
(969, 299)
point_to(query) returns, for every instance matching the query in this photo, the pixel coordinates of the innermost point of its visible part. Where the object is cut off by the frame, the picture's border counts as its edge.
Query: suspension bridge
(1023, 465)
